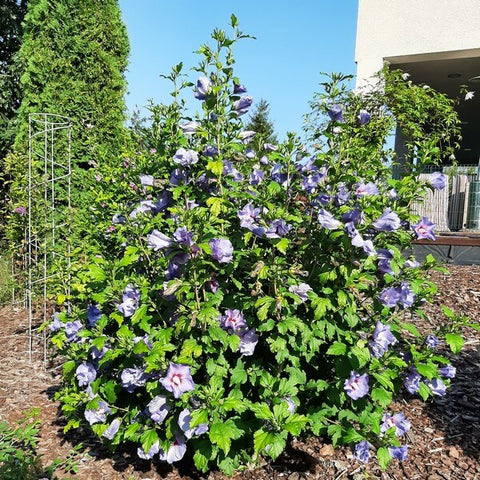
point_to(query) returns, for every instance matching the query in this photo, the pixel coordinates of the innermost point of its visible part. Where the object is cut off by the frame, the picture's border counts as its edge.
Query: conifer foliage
(72, 58)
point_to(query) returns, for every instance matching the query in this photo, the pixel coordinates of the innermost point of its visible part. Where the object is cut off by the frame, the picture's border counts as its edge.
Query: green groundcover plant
(231, 301)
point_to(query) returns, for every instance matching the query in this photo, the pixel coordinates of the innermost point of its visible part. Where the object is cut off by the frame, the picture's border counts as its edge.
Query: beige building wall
(431, 29)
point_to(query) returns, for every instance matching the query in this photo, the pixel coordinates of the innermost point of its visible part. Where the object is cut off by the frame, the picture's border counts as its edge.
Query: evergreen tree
(11, 17)
(73, 57)
(262, 125)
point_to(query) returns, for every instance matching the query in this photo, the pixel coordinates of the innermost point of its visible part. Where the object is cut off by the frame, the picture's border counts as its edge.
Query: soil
(444, 441)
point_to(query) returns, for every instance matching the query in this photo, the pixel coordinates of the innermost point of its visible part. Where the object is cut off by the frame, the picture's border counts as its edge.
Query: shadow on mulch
(291, 460)
(457, 415)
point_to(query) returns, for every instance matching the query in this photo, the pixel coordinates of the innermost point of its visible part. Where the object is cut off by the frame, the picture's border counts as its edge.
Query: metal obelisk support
(48, 230)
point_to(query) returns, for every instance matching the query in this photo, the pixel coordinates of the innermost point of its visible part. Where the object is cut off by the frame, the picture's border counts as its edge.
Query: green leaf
(223, 433)
(454, 341)
(424, 391)
(215, 203)
(203, 454)
(427, 370)
(282, 245)
(262, 411)
(215, 166)
(337, 348)
(383, 457)
(382, 396)
(238, 374)
(263, 304)
(352, 436)
(295, 424)
(449, 313)
(148, 438)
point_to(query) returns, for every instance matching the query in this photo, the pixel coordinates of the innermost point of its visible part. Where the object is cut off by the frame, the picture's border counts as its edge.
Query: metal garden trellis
(47, 255)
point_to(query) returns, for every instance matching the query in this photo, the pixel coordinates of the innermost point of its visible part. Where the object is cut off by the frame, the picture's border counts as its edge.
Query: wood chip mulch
(444, 441)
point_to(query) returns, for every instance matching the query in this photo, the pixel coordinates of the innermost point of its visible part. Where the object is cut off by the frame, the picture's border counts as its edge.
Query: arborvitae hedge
(73, 57)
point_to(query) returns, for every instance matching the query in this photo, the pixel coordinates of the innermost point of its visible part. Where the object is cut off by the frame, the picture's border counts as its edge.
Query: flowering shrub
(234, 300)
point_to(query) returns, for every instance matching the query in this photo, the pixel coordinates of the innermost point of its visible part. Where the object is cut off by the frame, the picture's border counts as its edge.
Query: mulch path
(444, 441)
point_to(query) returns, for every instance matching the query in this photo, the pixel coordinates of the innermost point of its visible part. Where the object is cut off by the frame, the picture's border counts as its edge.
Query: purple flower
(178, 380)
(291, 407)
(310, 182)
(212, 285)
(278, 228)
(176, 451)
(243, 105)
(401, 424)
(178, 176)
(389, 297)
(189, 128)
(133, 378)
(250, 153)
(154, 449)
(85, 374)
(248, 215)
(448, 371)
(184, 420)
(163, 201)
(99, 415)
(157, 240)
(363, 117)
(97, 354)
(278, 176)
(432, 341)
(385, 257)
(232, 319)
(229, 169)
(327, 220)
(438, 180)
(246, 135)
(424, 229)
(118, 218)
(21, 211)
(356, 386)
(147, 180)
(354, 216)
(239, 88)
(335, 113)
(437, 387)
(300, 290)
(185, 157)
(342, 196)
(56, 324)
(412, 382)
(204, 85)
(93, 314)
(210, 151)
(399, 452)
(71, 330)
(365, 189)
(361, 452)
(113, 428)
(130, 298)
(382, 339)
(248, 341)
(183, 236)
(222, 249)
(158, 408)
(407, 297)
(411, 263)
(257, 176)
(388, 222)
(270, 147)
(145, 206)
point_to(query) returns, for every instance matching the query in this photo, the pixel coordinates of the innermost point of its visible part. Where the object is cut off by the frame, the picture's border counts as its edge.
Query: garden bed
(444, 440)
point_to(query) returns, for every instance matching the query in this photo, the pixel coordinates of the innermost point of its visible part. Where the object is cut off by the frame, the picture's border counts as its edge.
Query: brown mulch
(444, 441)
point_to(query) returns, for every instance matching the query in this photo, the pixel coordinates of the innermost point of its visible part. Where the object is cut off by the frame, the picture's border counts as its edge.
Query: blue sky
(295, 41)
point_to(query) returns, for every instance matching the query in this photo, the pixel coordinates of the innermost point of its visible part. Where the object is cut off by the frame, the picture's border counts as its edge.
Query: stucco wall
(390, 28)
